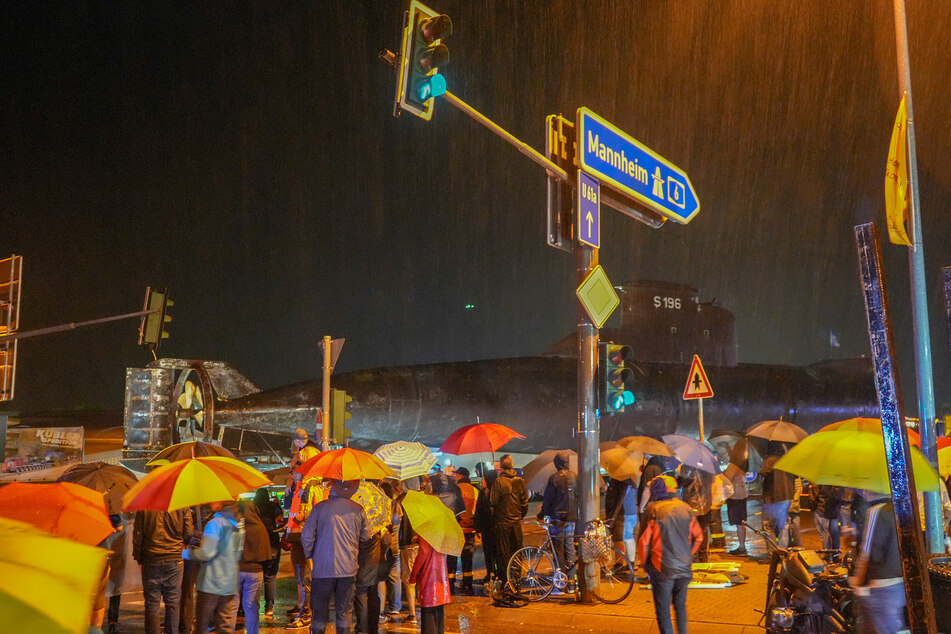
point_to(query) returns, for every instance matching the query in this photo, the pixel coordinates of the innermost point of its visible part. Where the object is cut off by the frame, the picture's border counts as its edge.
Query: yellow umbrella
(433, 521)
(46, 582)
(944, 461)
(192, 482)
(622, 463)
(853, 459)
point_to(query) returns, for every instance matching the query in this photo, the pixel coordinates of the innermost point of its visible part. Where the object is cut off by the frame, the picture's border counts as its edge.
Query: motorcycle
(807, 590)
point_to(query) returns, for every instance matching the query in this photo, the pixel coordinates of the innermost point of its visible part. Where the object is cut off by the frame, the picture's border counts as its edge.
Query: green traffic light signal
(614, 377)
(422, 54)
(339, 416)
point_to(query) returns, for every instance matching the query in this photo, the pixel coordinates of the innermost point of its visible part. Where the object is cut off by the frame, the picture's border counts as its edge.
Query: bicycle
(534, 571)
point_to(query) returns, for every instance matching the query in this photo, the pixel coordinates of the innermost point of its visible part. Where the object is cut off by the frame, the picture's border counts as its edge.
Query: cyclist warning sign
(698, 386)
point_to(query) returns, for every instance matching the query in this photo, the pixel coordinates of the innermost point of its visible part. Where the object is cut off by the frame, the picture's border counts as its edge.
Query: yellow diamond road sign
(597, 296)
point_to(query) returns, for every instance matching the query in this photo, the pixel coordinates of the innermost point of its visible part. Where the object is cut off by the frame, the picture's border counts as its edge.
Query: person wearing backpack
(257, 551)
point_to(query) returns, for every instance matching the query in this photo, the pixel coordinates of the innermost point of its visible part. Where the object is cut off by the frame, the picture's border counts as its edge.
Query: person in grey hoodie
(221, 546)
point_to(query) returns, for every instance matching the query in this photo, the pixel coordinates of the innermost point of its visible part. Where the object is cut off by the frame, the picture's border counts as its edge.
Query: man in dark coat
(877, 575)
(157, 541)
(508, 498)
(560, 505)
(484, 522)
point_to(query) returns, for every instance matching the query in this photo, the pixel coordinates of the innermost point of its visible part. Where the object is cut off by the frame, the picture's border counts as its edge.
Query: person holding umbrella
(469, 496)
(157, 541)
(779, 487)
(432, 581)
(331, 538)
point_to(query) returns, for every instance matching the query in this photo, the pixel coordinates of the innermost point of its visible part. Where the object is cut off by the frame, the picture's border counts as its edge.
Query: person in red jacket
(670, 537)
(432, 587)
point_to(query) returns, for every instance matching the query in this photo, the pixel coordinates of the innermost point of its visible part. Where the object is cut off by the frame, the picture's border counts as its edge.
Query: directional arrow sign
(589, 210)
(633, 169)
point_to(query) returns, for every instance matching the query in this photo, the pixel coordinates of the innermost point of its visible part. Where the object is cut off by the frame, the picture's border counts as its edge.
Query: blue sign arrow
(589, 210)
(633, 169)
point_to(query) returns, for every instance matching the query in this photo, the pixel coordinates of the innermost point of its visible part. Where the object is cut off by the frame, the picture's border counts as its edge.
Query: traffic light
(339, 416)
(421, 56)
(614, 377)
(152, 329)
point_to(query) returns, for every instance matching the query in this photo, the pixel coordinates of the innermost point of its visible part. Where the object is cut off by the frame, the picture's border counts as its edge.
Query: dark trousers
(704, 552)
(341, 588)
(508, 539)
(271, 569)
(366, 603)
(213, 609)
(162, 581)
(488, 553)
(186, 617)
(468, 550)
(434, 620)
(664, 592)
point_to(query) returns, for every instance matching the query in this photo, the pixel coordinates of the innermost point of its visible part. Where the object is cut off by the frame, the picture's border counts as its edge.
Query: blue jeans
(664, 591)
(393, 586)
(775, 517)
(828, 532)
(883, 611)
(162, 581)
(563, 543)
(249, 590)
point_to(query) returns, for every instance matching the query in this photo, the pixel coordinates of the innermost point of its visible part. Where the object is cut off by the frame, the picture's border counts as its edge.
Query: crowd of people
(211, 567)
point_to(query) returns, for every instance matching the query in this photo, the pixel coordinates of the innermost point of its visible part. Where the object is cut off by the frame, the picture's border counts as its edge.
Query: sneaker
(302, 620)
(269, 614)
(738, 552)
(412, 621)
(293, 610)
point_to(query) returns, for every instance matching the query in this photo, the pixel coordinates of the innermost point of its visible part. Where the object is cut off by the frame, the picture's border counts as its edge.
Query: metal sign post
(895, 437)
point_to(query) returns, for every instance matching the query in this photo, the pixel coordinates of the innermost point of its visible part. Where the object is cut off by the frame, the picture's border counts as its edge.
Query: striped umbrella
(192, 482)
(407, 459)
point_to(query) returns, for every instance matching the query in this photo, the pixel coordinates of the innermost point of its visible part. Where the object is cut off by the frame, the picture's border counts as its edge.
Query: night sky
(245, 156)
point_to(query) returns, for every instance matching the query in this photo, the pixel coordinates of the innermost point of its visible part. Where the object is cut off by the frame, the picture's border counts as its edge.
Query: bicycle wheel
(531, 573)
(616, 579)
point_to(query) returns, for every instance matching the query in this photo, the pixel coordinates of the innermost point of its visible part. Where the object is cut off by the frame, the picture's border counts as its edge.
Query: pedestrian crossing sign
(698, 386)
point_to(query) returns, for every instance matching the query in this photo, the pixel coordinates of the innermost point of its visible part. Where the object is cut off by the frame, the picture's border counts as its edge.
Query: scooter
(807, 590)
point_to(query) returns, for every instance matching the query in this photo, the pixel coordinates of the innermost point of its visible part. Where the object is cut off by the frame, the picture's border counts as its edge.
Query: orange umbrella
(346, 464)
(868, 424)
(193, 482)
(478, 438)
(64, 509)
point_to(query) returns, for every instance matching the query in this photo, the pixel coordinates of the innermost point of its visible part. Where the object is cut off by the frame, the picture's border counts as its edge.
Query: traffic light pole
(73, 326)
(325, 400)
(589, 427)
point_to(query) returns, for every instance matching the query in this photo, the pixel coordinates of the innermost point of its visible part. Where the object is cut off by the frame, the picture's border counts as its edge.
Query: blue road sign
(589, 210)
(633, 169)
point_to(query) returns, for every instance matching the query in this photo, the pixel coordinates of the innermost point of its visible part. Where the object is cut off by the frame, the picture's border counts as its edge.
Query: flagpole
(916, 265)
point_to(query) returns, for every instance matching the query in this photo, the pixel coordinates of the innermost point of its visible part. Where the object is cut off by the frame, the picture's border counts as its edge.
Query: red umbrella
(478, 438)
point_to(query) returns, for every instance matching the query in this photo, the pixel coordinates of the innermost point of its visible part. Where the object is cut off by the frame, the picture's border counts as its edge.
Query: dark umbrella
(186, 450)
(109, 479)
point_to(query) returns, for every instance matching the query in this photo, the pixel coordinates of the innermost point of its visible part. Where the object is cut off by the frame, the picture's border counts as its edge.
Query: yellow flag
(896, 178)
